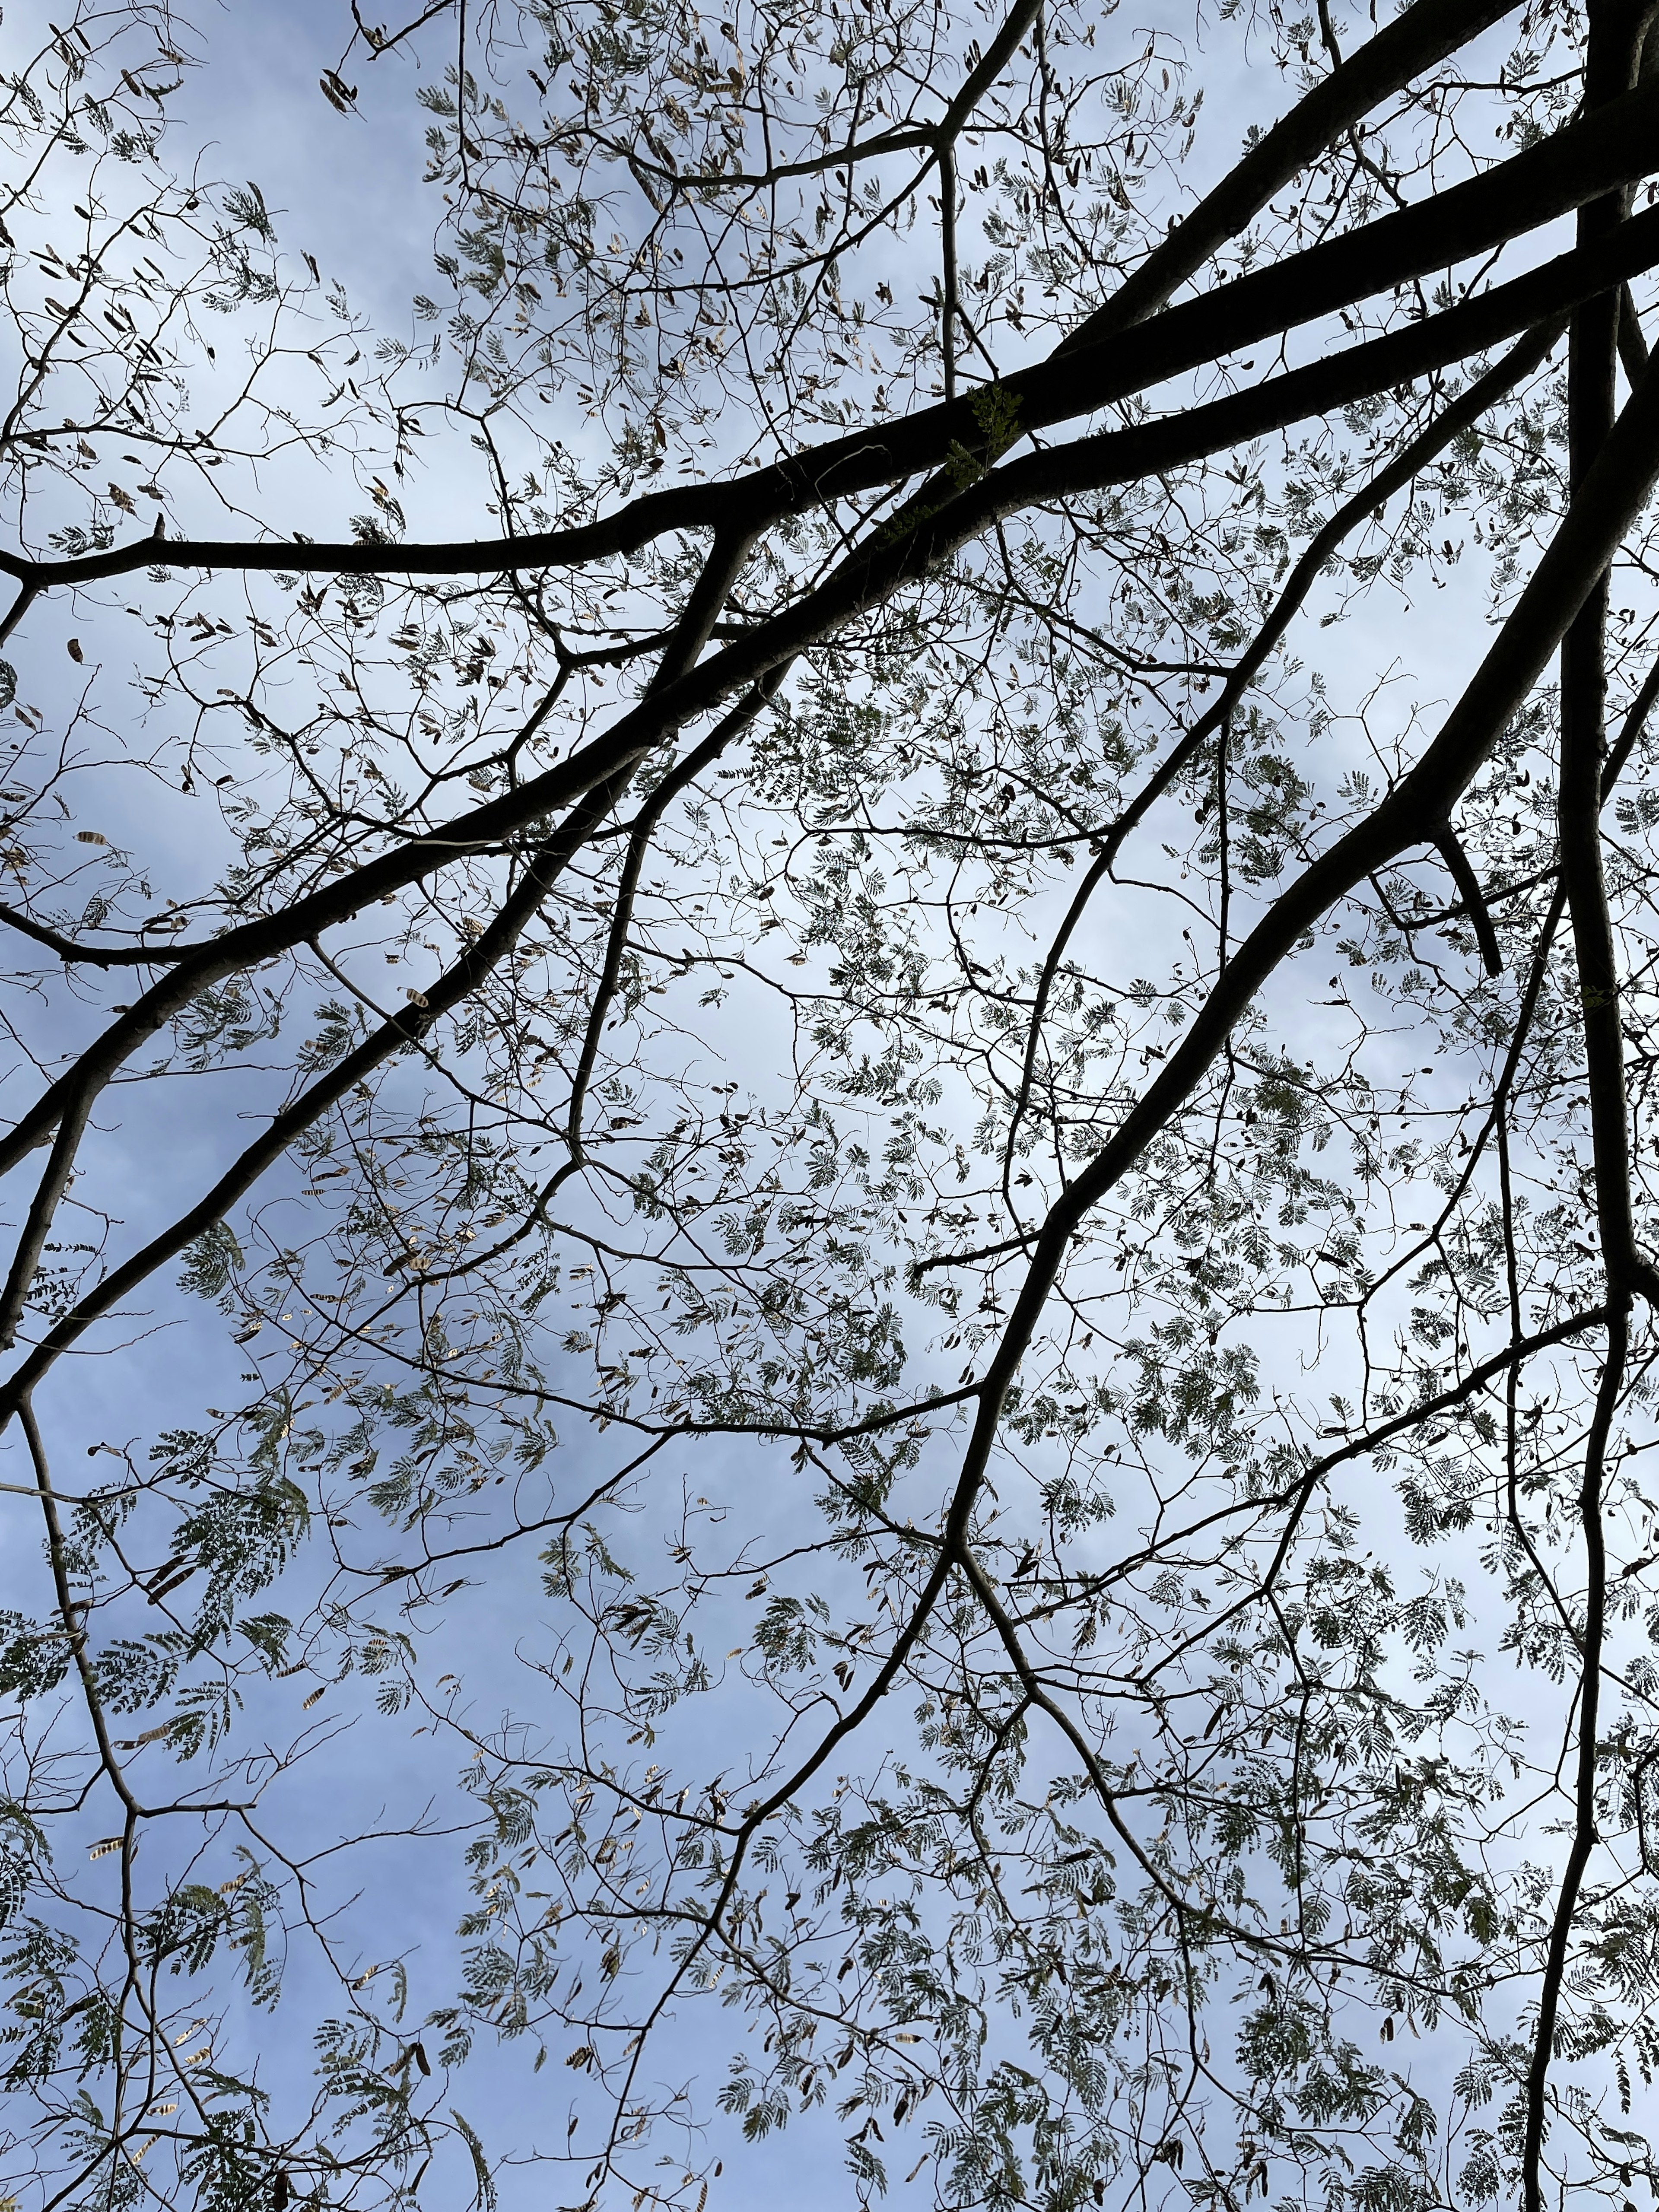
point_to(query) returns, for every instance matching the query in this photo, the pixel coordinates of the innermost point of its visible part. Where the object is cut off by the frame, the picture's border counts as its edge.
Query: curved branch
(1419, 37)
(93, 956)
(402, 1031)
(1580, 163)
(867, 578)
(1607, 504)
(1449, 847)
(929, 137)
(1453, 420)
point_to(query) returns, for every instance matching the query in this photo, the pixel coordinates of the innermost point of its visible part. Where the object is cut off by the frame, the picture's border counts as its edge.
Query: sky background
(348, 191)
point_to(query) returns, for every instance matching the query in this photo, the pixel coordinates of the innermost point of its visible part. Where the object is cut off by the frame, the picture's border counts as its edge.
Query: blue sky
(347, 190)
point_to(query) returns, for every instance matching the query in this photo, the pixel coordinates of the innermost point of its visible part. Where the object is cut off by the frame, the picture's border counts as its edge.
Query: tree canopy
(866, 952)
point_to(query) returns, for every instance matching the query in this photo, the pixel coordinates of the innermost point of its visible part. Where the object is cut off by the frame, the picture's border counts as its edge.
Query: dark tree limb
(1608, 503)
(1465, 411)
(1617, 32)
(485, 952)
(1577, 164)
(1584, 1833)
(865, 579)
(479, 960)
(1449, 847)
(91, 956)
(1418, 38)
(1632, 344)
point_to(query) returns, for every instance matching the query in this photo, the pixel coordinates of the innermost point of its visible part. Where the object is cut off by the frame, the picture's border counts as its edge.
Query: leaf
(74, 649)
(210, 1262)
(15, 1876)
(485, 2193)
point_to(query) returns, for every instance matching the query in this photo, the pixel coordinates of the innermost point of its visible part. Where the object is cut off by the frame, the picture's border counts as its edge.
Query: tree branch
(1419, 37)
(1608, 501)
(1449, 847)
(1534, 187)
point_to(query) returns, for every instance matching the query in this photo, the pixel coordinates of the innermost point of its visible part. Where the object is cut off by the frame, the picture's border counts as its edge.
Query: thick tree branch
(1535, 187)
(1465, 411)
(72, 953)
(1608, 501)
(865, 581)
(1616, 36)
(1449, 846)
(1418, 38)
